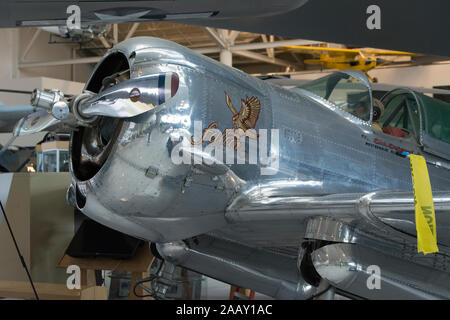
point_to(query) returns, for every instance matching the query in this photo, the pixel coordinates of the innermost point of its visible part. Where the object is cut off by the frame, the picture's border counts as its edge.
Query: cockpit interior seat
(394, 131)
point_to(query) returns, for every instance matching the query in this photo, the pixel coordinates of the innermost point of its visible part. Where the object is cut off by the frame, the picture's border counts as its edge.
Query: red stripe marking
(174, 84)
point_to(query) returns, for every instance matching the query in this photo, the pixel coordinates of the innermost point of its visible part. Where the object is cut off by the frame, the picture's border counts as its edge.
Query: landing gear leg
(171, 282)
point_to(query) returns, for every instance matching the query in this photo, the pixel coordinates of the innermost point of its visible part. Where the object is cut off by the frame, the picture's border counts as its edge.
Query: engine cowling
(123, 169)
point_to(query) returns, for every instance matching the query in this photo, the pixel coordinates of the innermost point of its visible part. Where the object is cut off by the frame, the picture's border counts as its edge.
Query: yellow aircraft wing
(378, 52)
(346, 52)
(323, 50)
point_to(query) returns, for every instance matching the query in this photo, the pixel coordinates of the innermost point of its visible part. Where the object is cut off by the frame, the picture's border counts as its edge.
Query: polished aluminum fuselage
(322, 151)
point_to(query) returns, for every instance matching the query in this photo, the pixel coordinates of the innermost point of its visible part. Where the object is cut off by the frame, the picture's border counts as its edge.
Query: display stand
(139, 266)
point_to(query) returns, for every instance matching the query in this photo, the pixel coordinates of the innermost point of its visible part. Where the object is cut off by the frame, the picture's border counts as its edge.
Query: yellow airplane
(356, 59)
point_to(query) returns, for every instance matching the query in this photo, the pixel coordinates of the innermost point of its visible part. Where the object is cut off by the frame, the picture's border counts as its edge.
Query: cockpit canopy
(348, 90)
(419, 118)
(436, 117)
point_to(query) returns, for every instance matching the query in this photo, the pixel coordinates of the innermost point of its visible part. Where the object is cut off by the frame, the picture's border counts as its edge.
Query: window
(54, 161)
(39, 167)
(63, 160)
(49, 161)
(345, 91)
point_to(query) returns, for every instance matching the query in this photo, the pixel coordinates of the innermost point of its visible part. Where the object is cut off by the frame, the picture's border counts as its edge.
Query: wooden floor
(46, 291)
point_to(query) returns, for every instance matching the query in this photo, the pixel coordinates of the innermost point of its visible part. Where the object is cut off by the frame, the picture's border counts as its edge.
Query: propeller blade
(34, 122)
(132, 97)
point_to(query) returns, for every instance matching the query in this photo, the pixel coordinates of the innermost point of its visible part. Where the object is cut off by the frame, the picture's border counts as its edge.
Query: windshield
(346, 92)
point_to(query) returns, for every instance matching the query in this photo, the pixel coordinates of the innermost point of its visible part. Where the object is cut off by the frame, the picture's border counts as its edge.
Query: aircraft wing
(346, 233)
(359, 218)
(343, 21)
(378, 52)
(9, 115)
(389, 212)
(22, 13)
(407, 26)
(323, 50)
(347, 52)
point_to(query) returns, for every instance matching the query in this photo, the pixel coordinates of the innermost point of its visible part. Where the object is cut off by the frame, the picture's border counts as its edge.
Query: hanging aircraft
(21, 13)
(345, 59)
(360, 23)
(13, 158)
(295, 193)
(83, 34)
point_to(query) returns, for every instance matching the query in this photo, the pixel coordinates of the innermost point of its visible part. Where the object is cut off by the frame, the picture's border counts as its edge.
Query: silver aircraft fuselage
(327, 164)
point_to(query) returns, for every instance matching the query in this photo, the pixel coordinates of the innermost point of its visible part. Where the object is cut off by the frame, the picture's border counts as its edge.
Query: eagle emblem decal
(243, 120)
(248, 115)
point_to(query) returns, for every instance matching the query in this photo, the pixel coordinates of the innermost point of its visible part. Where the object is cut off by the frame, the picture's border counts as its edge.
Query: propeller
(124, 100)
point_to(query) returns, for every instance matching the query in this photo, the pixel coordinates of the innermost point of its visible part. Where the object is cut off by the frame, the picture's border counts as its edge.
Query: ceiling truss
(229, 46)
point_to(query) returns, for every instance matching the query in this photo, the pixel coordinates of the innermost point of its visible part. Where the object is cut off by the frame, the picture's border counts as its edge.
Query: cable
(18, 251)
(149, 279)
(15, 91)
(139, 283)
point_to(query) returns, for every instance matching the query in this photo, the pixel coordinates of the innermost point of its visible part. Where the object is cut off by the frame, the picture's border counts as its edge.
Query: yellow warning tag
(424, 207)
